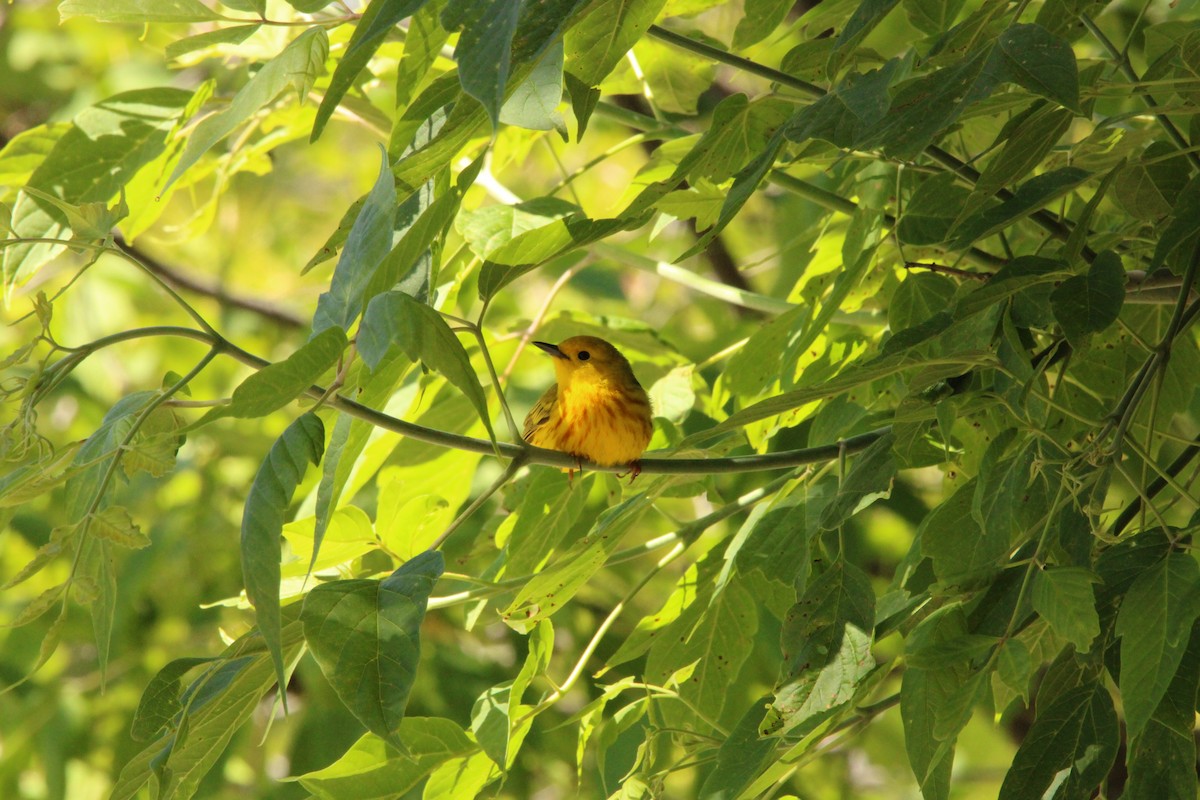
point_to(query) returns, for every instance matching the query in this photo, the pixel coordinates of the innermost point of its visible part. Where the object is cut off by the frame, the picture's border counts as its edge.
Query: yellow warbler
(597, 410)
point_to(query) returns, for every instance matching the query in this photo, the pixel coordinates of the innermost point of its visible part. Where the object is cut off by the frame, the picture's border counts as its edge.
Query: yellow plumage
(597, 410)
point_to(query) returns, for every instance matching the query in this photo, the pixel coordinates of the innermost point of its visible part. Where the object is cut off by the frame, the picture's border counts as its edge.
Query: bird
(596, 410)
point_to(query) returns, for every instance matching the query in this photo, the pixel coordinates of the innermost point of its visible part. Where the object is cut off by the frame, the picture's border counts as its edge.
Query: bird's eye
(584, 355)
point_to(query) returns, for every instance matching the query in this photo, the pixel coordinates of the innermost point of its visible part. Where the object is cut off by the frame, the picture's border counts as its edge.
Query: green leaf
(1020, 275)
(855, 376)
(377, 21)
(961, 551)
(745, 185)
(373, 770)
(549, 591)
(262, 523)
(935, 704)
(761, 18)
(484, 50)
(499, 720)
(1180, 230)
(464, 776)
(94, 458)
(718, 642)
(396, 319)
(528, 251)
(1028, 198)
(607, 31)
(365, 635)
(277, 384)
(1149, 188)
(866, 16)
(1162, 761)
(1033, 137)
(918, 297)
(1089, 303)
(847, 115)
(929, 216)
(160, 701)
(1154, 623)
(1040, 62)
(932, 17)
(138, 10)
(104, 148)
(368, 242)
(922, 108)
(329, 490)
(870, 479)
(490, 228)
(26, 151)
(741, 756)
(216, 705)
(296, 67)
(115, 525)
(548, 510)
(826, 642)
(1063, 596)
(739, 131)
(533, 104)
(235, 34)
(1069, 749)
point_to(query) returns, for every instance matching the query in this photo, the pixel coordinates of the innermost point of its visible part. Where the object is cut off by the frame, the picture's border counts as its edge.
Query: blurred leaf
(365, 636)
(262, 522)
(138, 10)
(235, 34)
(105, 146)
(761, 18)
(295, 67)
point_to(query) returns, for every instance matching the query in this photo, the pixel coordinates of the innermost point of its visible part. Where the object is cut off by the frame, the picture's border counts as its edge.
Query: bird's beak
(551, 349)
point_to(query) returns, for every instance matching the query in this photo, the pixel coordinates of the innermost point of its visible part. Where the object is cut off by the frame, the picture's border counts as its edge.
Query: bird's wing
(539, 415)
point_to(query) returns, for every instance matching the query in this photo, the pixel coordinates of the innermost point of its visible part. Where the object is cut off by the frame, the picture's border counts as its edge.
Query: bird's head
(587, 359)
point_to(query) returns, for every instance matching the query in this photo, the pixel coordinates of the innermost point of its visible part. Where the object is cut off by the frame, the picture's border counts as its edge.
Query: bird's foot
(635, 469)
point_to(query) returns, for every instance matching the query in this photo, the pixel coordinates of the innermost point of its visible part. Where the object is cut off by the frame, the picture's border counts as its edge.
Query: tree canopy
(911, 285)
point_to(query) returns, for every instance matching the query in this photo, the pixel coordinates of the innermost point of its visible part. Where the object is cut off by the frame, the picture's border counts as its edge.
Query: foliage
(911, 285)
